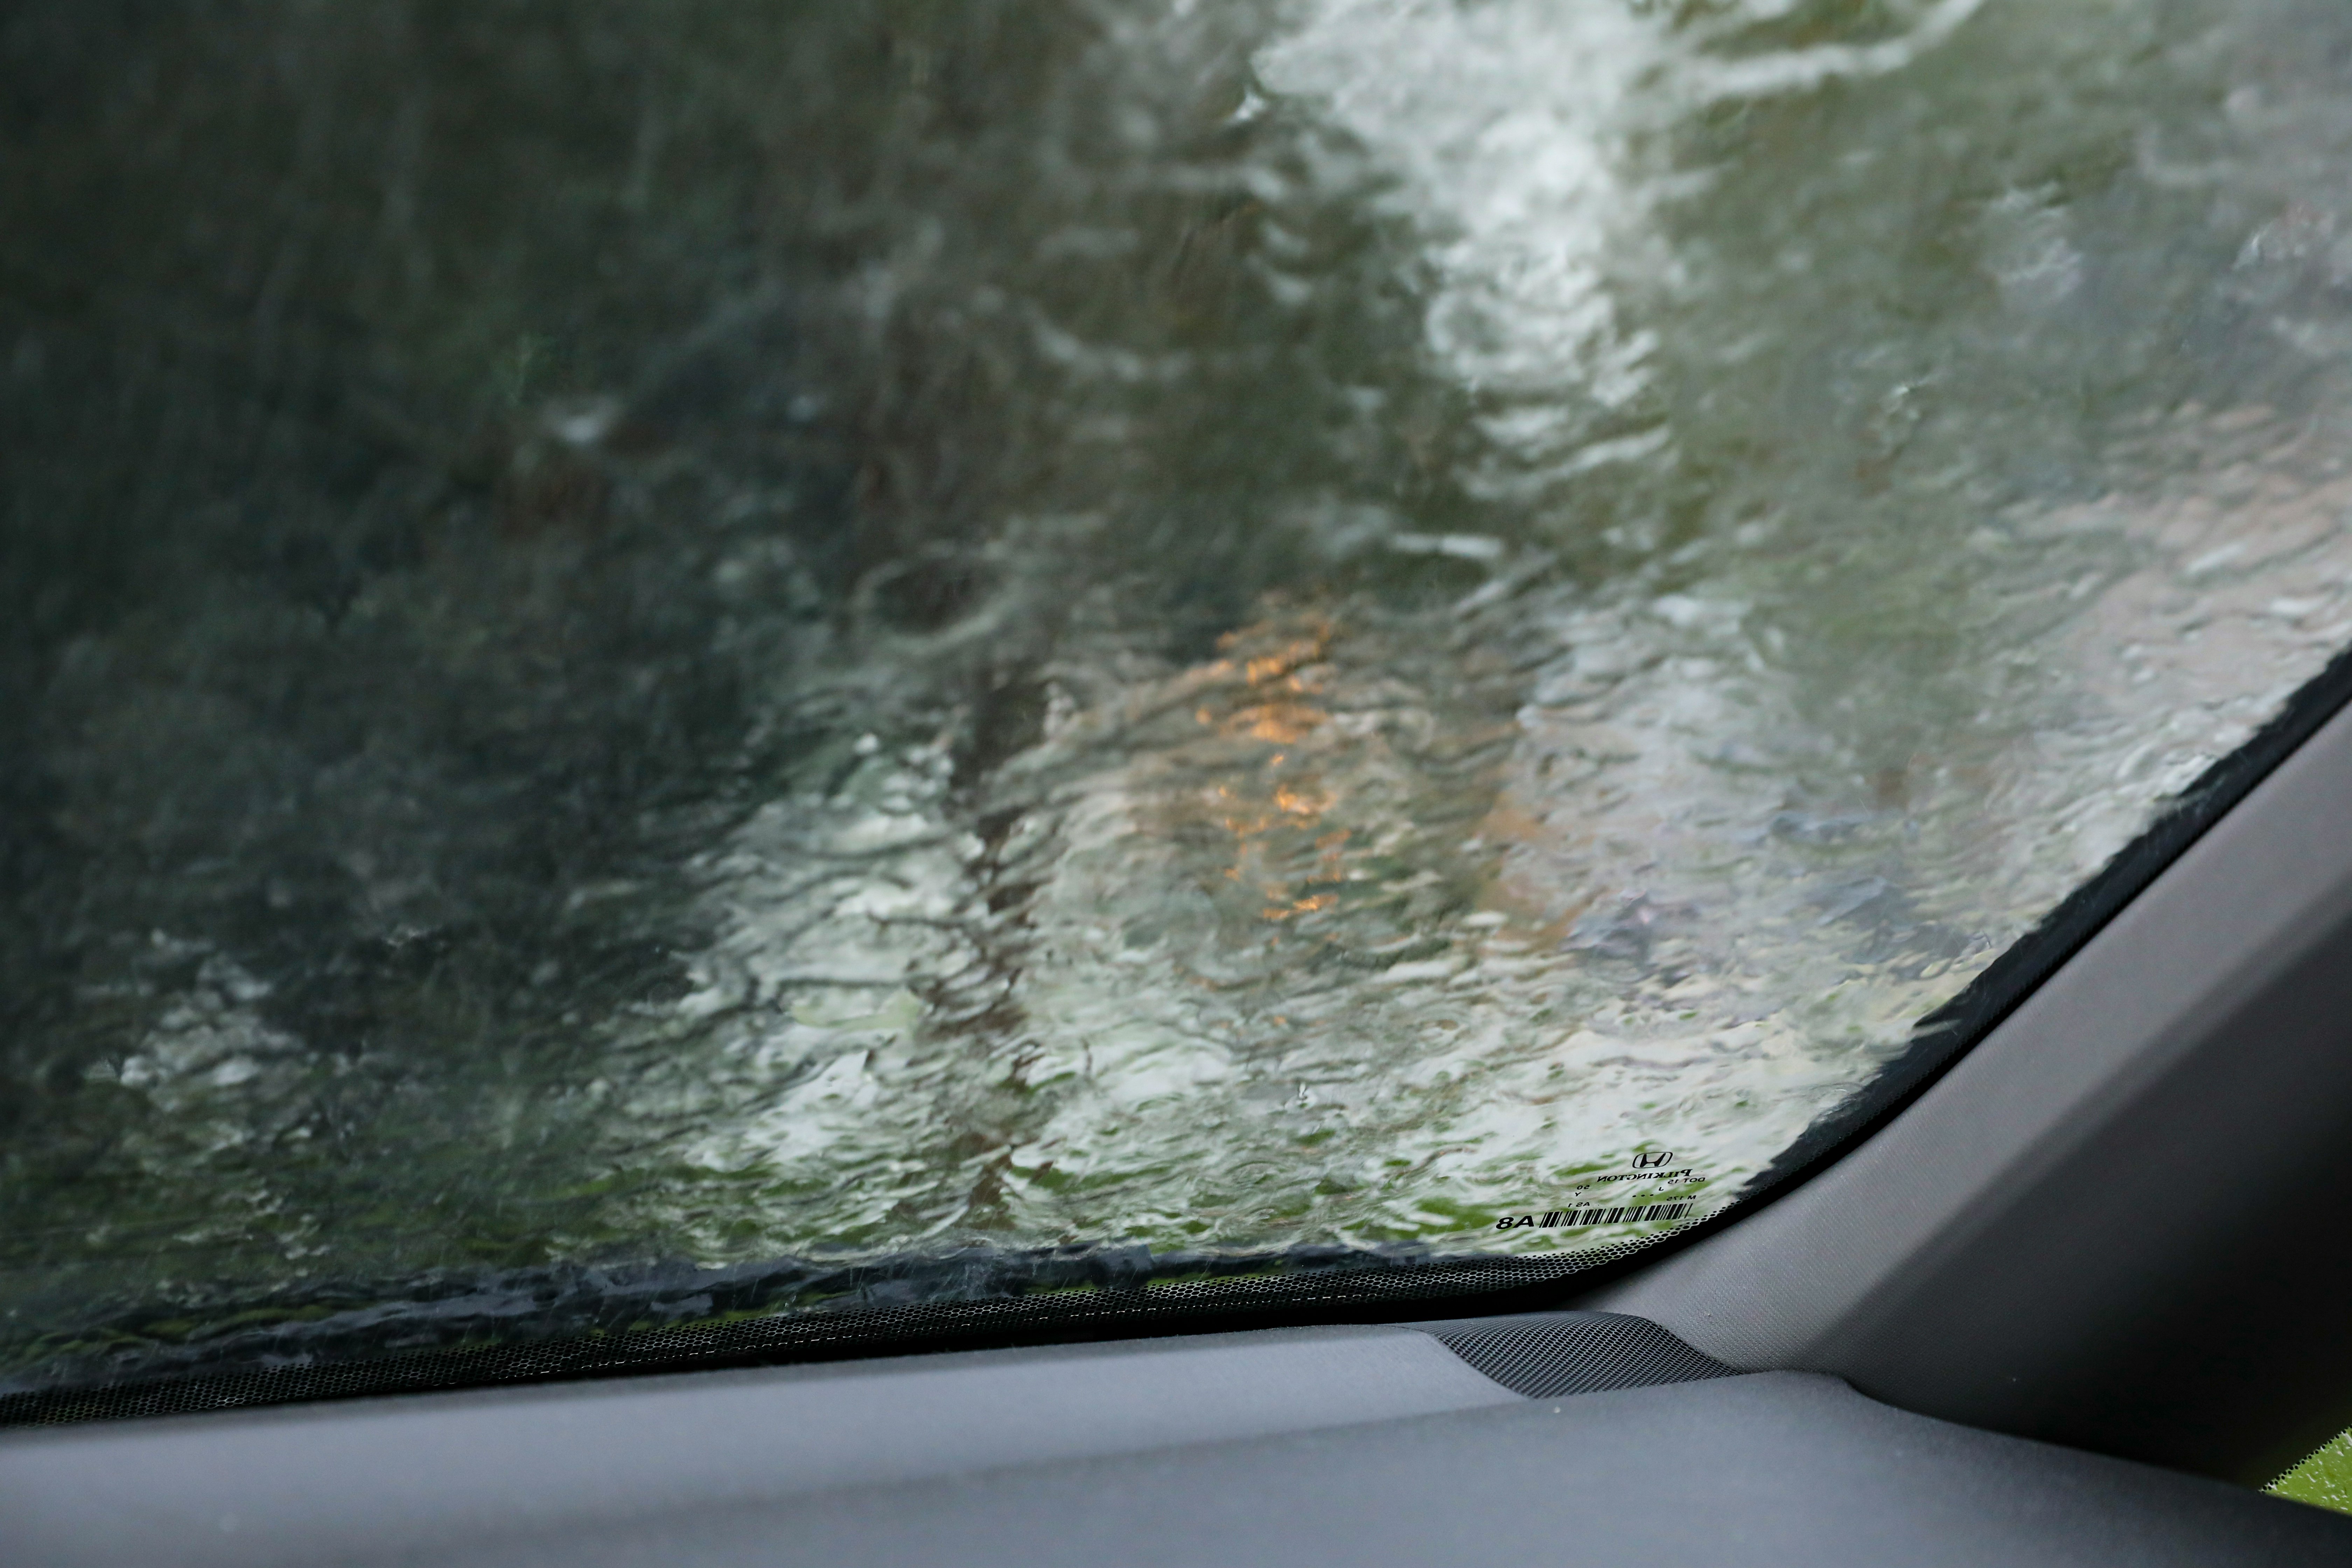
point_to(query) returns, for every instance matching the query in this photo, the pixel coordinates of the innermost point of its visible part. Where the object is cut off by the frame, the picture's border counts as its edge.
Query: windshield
(679, 662)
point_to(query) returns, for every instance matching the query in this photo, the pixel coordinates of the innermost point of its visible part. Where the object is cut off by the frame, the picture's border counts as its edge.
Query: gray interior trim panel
(1764, 1471)
(1767, 1472)
(319, 1483)
(429, 1474)
(2119, 1221)
(1361, 1447)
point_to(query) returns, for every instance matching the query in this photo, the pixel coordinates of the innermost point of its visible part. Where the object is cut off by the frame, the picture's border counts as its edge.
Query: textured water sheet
(690, 634)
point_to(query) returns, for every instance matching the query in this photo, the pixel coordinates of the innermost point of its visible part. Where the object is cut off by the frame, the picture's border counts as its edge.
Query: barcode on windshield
(1633, 1214)
(1615, 1216)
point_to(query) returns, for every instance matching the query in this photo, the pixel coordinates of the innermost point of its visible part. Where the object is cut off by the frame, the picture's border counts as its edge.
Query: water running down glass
(677, 635)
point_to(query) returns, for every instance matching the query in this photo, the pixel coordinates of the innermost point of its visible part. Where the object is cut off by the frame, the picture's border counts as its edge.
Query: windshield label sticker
(1634, 1214)
(1650, 1169)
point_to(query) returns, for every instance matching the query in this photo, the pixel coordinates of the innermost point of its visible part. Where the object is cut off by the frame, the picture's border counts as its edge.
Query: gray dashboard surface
(412, 1479)
(1769, 1470)
(1357, 1445)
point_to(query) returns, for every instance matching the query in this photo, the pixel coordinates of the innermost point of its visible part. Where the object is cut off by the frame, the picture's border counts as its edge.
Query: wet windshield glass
(853, 652)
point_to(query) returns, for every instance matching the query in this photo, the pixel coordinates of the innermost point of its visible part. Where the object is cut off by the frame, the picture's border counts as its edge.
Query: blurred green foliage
(2325, 1479)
